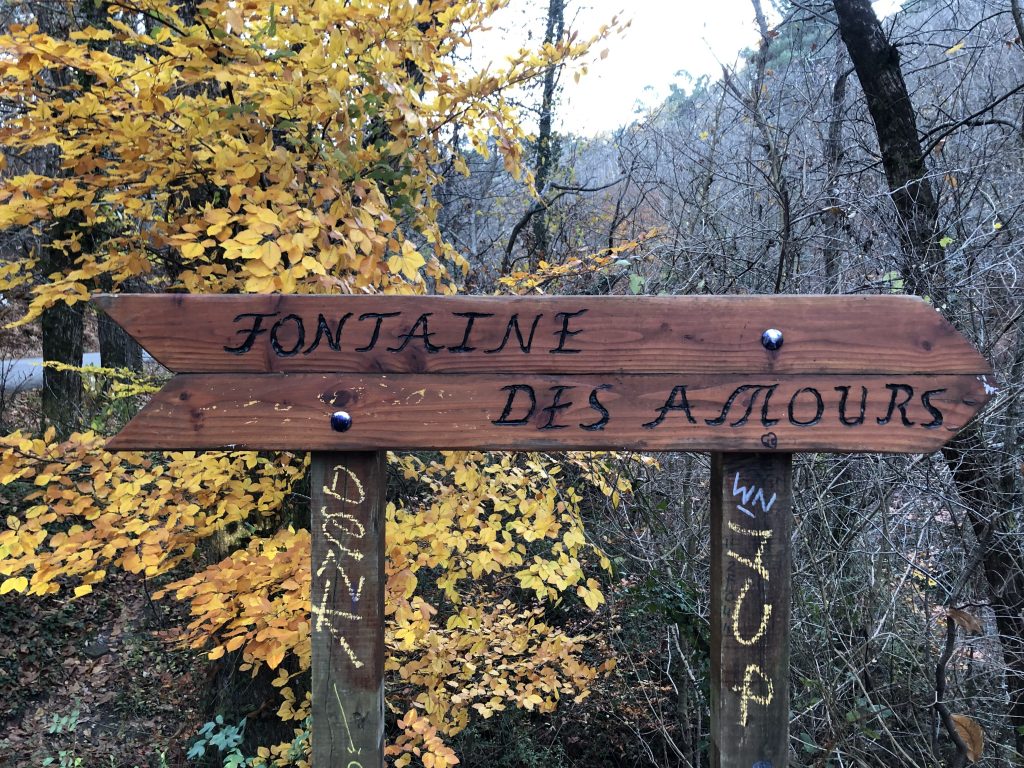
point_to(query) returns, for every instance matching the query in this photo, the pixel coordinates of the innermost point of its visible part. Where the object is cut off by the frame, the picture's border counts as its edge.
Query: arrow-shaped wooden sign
(351, 376)
(851, 373)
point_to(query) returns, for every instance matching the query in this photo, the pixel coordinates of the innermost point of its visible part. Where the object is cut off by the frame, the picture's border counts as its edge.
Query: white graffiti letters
(746, 493)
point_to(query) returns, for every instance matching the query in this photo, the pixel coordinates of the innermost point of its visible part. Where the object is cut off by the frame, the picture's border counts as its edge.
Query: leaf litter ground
(108, 658)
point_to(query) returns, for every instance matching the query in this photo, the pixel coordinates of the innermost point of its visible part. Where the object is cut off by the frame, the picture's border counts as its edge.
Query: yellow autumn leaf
(275, 656)
(14, 584)
(270, 254)
(82, 590)
(531, 701)
(192, 250)
(408, 262)
(958, 47)
(591, 594)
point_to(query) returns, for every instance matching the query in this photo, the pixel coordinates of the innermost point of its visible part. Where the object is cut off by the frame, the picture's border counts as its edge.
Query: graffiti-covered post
(347, 595)
(751, 566)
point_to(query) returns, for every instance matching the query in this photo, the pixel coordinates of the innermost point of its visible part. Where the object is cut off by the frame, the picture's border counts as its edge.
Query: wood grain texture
(564, 334)
(902, 413)
(751, 527)
(347, 523)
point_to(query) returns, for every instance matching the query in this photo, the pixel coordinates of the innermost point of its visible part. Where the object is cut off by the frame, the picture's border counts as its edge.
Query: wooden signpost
(750, 379)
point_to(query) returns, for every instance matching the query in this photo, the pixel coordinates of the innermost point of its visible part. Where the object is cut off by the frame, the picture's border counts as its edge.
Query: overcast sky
(668, 40)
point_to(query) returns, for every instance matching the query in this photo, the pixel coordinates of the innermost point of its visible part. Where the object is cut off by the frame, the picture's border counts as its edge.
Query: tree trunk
(62, 389)
(117, 348)
(835, 216)
(547, 141)
(877, 63)
(62, 325)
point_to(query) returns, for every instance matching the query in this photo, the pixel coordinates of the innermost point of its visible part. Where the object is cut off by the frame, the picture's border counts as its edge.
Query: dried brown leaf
(972, 734)
(966, 621)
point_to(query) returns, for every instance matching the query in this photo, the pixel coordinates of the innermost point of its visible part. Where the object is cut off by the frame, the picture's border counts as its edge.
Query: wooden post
(348, 493)
(751, 562)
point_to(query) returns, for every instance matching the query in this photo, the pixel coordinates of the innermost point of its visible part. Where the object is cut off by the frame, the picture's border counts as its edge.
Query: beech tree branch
(949, 128)
(940, 692)
(543, 205)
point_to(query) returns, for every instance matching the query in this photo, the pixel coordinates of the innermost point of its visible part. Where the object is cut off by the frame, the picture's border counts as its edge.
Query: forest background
(542, 609)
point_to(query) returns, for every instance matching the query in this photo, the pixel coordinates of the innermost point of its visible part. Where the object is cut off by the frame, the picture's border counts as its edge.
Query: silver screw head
(341, 421)
(771, 339)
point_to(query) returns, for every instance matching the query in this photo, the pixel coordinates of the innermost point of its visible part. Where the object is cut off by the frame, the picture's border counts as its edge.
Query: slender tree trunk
(547, 141)
(835, 216)
(62, 389)
(62, 325)
(63, 332)
(775, 151)
(117, 348)
(983, 475)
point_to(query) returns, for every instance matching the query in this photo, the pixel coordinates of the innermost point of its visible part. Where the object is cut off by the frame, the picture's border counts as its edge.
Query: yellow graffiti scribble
(329, 489)
(334, 517)
(766, 615)
(353, 595)
(357, 530)
(344, 718)
(756, 563)
(323, 614)
(747, 696)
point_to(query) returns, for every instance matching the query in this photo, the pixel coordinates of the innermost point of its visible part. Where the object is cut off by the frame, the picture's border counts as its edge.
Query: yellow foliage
(123, 382)
(241, 146)
(257, 599)
(260, 147)
(91, 508)
(548, 274)
(485, 645)
(495, 537)
(488, 521)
